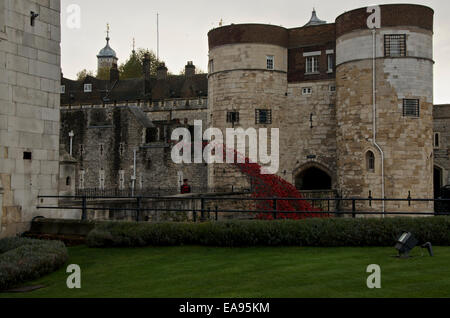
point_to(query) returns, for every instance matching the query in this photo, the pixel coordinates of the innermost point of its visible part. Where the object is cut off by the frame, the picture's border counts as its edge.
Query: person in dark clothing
(185, 188)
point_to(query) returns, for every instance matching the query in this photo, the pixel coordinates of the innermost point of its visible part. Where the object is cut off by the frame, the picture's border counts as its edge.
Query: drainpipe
(374, 96)
(133, 178)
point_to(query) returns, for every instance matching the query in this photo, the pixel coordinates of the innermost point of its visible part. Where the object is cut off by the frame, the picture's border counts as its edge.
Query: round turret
(384, 80)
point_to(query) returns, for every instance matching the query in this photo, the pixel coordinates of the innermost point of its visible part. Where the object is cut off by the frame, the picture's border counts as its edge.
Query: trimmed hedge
(23, 259)
(332, 232)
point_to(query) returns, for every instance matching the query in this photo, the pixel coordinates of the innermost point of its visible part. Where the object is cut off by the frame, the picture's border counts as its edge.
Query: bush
(333, 232)
(23, 259)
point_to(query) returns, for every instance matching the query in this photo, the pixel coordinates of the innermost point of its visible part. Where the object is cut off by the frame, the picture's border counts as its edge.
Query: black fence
(94, 193)
(208, 206)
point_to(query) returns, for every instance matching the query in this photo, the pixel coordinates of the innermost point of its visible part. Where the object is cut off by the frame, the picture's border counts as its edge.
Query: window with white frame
(437, 140)
(63, 89)
(270, 62)
(87, 88)
(312, 64)
(330, 62)
(306, 90)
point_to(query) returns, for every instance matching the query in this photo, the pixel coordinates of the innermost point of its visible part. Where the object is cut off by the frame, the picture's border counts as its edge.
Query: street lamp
(71, 135)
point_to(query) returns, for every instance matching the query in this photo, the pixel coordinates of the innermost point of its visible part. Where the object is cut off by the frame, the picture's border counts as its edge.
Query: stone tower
(246, 86)
(107, 56)
(384, 108)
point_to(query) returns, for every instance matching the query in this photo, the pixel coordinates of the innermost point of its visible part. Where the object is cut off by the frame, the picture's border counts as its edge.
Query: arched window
(370, 161)
(68, 181)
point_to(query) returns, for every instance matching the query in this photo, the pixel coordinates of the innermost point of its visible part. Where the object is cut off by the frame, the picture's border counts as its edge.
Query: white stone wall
(358, 45)
(29, 109)
(247, 56)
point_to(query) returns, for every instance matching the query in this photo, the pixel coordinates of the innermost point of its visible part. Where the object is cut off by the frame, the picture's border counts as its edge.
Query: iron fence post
(84, 209)
(274, 209)
(138, 207)
(202, 209)
(353, 208)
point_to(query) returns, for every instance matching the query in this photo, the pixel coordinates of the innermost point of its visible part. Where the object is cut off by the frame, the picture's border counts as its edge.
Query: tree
(133, 67)
(103, 73)
(81, 75)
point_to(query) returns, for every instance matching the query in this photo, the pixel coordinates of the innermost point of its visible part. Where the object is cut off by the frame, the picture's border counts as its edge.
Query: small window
(332, 88)
(121, 149)
(211, 66)
(270, 62)
(370, 161)
(330, 60)
(411, 108)
(395, 45)
(306, 91)
(263, 116)
(87, 88)
(312, 64)
(437, 141)
(101, 149)
(151, 135)
(233, 117)
(68, 181)
(121, 179)
(27, 155)
(81, 180)
(63, 89)
(101, 179)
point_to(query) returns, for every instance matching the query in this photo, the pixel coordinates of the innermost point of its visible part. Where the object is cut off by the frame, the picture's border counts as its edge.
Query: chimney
(161, 72)
(189, 69)
(114, 73)
(146, 66)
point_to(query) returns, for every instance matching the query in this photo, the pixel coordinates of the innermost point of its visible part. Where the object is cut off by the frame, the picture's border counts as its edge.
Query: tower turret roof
(315, 20)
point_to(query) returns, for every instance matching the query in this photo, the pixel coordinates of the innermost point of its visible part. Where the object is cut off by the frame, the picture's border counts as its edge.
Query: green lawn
(195, 271)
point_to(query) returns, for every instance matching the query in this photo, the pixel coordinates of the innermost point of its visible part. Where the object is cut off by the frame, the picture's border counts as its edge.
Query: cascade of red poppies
(272, 186)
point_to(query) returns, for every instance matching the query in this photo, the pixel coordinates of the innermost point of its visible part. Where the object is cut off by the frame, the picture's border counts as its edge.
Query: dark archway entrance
(313, 179)
(437, 181)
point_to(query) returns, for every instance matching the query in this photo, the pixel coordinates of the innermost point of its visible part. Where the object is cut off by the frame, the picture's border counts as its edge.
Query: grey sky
(184, 26)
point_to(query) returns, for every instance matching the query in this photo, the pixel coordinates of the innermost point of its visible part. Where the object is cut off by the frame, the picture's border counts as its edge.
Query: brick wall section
(29, 113)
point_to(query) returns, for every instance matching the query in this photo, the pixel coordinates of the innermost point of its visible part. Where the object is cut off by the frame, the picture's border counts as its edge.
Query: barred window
(270, 62)
(411, 108)
(395, 45)
(232, 117)
(263, 116)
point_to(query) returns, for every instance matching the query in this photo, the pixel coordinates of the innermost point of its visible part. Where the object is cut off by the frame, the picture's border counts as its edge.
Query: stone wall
(442, 152)
(405, 141)
(29, 112)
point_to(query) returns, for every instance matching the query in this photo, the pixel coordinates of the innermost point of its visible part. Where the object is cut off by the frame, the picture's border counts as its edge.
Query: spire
(134, 46)
(315, 20)
(107, 33)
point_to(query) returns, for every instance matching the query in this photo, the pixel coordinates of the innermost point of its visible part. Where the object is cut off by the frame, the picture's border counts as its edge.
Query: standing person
(185, 188)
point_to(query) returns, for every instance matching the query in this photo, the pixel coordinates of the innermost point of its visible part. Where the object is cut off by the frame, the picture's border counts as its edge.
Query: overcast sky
(184, 25)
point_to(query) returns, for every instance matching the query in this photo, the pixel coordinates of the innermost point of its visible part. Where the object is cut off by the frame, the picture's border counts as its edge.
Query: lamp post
(133, 177)
(71, 135)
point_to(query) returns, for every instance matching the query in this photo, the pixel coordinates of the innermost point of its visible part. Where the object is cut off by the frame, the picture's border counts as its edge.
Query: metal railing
(345, 206)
